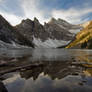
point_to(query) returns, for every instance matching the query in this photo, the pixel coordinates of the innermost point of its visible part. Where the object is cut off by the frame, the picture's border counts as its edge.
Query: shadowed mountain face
(55, 33)
(9, 37)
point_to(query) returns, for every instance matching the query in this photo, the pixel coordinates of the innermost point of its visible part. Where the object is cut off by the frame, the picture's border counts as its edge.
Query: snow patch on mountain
(50, 43)
(13, 45)
(74, 31)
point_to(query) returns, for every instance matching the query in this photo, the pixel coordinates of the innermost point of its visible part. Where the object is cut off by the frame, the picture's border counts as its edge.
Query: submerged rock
(2, 88)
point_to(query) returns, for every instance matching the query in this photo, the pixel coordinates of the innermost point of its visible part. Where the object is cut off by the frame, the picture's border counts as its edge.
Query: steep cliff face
(83, 38)
(29, 28)
(8, 34)
(53, 34)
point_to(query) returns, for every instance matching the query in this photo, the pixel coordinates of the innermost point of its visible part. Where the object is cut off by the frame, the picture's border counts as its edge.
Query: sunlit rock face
(83, 38)
(55, 33)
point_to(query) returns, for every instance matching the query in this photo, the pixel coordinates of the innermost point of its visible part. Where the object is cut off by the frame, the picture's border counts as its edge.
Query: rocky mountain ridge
(55, 33)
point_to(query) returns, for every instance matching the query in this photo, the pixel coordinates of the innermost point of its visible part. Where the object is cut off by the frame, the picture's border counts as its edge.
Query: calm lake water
(56, 70)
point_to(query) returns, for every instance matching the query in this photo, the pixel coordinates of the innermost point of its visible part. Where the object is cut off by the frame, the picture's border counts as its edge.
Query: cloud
(30, 8)
(11, 18)
(0, 0)
(72, 15)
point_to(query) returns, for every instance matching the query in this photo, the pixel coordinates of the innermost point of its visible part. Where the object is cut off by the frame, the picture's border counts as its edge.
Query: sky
(73, 11)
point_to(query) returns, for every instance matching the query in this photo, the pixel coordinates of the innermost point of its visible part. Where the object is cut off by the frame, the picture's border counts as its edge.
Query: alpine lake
(45, 70)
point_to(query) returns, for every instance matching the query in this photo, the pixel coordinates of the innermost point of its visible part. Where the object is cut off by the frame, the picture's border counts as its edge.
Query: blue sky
(74, 11)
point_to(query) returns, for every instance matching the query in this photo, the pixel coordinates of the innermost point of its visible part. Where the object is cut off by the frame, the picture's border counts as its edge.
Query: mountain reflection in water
(61, 70)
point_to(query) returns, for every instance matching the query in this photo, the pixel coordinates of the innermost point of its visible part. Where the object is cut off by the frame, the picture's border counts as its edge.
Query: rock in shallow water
(2, 88)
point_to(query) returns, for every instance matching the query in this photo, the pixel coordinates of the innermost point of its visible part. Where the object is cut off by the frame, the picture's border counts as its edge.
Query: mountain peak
(52, 20)
(26, 21)
(1, 16)
(62, 20)
(36, 20)
(3, 21)
(59, 21)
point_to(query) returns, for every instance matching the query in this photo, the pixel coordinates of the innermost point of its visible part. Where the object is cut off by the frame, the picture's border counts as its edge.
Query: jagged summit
(2, 18)
(29, 21)
(3, 22)
(26, 20)
(52, 20)
(61, 21)
(36, 20)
